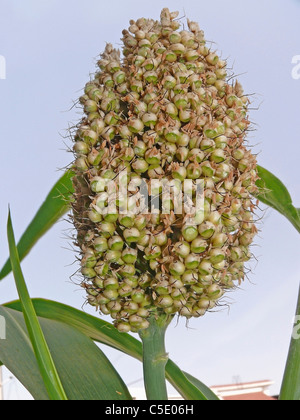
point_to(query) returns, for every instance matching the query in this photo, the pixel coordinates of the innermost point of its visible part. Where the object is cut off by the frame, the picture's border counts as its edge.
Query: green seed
(189, 233)
(177, 268)
(111, 283)
(199, 245)
(207, 229)
(129, 256)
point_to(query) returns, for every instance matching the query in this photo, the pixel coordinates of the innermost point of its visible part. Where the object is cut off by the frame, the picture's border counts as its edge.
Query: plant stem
(155, 358)
(290, 390)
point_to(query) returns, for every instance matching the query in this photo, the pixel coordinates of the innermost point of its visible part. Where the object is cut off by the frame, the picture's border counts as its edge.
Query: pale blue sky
(50, 49)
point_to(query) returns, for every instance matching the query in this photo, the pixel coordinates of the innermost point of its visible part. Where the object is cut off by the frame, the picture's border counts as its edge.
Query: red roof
(254, 396)
(247, 391)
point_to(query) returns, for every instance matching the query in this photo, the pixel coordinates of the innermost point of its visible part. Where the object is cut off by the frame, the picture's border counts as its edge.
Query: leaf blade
(105, 333)
(275, 194)
(75, 364)
(53, 208)
(290, 388)
(210, 395)
(44, 359)
(23, 353)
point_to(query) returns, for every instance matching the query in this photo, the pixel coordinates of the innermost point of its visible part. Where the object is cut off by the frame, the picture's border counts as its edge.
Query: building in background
(248, 391)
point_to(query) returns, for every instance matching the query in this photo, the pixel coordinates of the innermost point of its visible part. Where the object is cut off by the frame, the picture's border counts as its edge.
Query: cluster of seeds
(167, 111)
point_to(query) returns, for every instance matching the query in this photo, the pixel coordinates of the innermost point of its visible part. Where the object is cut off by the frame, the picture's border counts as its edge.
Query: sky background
(50, 48)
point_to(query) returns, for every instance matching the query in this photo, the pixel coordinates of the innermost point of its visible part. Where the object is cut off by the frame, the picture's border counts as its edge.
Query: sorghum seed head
(163, 114)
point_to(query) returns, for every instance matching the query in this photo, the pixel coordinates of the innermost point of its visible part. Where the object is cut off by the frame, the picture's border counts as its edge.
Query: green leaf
(16, 353)
(275, 194)
(290, 389)
(105, 333)
(85, 371)
(203, 388)
(54, 207)
(41, 350)
(182, 384)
